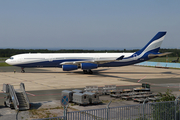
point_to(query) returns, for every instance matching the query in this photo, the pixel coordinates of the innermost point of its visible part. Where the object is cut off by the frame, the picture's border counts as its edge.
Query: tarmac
(54, 78)
(44, 85)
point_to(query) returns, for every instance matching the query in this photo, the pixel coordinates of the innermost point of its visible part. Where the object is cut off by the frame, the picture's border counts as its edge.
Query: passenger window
(11, 58)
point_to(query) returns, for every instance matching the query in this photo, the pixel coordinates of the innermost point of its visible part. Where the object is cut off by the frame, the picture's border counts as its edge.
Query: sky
(87, 24)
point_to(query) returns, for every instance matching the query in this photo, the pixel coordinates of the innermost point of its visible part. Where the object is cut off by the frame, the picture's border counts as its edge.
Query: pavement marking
(30, 94)
(48, 94)
(42, 94)
(141, 78)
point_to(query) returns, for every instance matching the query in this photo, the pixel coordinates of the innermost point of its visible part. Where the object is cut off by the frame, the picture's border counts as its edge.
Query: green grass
(3, 64)
(164, 59)
(3, 58)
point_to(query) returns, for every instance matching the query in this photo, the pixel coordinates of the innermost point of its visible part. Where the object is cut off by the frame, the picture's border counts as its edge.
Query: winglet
(120, 58)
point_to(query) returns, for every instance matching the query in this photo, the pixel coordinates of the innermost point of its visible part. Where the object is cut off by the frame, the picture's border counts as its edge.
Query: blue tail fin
(154, 44)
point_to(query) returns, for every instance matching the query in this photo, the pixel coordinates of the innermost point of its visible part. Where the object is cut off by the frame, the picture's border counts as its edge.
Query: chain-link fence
(169, 110)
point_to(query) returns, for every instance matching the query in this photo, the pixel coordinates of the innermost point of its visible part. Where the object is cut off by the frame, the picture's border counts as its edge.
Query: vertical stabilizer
(154, 44)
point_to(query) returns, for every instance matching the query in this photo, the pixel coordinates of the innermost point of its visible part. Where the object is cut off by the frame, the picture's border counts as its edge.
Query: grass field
(4, 58)
(3, 64)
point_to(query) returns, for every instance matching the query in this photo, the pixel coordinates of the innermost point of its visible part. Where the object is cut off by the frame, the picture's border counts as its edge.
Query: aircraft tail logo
(153, 45)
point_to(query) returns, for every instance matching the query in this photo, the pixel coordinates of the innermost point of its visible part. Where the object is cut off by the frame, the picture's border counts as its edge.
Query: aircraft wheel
(85, 71)
(22, 70)
(5, 104)
(11, 106)
(90, 71)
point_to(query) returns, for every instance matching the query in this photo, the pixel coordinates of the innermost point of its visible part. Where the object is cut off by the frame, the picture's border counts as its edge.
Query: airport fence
(169, 110)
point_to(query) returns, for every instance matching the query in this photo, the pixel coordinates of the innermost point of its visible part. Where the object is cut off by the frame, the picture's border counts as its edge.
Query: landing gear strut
(87, 71)
(22, 70)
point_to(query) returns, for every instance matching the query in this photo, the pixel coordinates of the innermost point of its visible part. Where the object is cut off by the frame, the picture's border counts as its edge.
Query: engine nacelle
(88, 66)
(69, 67)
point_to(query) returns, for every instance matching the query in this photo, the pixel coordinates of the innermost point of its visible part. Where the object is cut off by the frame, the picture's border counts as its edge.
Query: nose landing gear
(22, 70)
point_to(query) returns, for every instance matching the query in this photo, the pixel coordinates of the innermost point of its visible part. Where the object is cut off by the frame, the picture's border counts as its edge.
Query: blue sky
(87, 24)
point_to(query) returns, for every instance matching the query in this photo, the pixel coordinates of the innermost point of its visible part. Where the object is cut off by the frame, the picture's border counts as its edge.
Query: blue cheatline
(160, 64)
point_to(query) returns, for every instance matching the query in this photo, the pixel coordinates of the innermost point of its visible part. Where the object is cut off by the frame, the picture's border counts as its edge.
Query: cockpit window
(11, 58)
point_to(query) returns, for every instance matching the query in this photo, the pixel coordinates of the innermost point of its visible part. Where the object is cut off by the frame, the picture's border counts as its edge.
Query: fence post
(176, 100)
(175, 108)
(108, 109)
(65, 112)
(144, 106)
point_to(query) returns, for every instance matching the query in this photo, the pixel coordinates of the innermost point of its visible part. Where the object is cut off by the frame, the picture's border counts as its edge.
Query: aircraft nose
(7, 61)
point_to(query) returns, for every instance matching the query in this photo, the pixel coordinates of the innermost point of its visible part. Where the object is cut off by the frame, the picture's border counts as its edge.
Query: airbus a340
(89, 61)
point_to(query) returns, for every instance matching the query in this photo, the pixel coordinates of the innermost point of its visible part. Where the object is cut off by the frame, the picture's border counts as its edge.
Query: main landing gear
(22, 70)
(87, 71)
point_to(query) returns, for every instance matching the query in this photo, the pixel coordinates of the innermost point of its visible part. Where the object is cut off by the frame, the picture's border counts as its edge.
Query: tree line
(10, 52)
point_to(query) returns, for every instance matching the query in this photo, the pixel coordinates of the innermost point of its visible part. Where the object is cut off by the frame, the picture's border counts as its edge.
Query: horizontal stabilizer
(120, 58)
(158, 55)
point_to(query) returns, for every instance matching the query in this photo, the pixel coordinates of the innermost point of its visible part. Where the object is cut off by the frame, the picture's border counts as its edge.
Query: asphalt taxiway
(43, 84)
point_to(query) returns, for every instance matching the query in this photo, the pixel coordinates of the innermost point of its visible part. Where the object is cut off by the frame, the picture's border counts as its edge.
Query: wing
(158, 55)
(93, 61)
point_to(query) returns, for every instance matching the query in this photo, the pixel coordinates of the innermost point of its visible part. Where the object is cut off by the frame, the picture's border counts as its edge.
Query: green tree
(168, 96)
(165, 108)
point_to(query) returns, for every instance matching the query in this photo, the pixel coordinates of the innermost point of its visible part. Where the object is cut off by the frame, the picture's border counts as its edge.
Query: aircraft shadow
(104, 73)
(36, 105)
(96, 73)
(2, 106)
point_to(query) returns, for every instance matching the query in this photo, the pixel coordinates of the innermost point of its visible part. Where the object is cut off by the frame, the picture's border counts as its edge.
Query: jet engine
(69, 67)
(88, 66)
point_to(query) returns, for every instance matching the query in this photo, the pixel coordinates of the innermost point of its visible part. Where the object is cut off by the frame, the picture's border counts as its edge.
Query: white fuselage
(88, 61)
(50, 57)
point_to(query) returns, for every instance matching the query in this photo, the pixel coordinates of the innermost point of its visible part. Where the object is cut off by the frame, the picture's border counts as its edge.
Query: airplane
(175, 61)
(89, 61)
